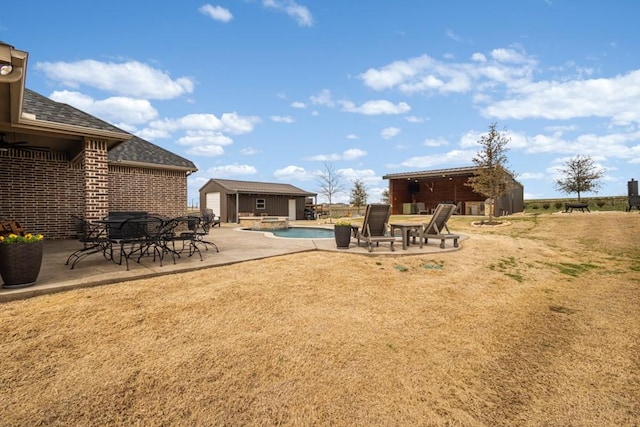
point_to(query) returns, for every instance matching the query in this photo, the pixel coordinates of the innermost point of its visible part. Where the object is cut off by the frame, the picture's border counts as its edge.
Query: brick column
(96, 180)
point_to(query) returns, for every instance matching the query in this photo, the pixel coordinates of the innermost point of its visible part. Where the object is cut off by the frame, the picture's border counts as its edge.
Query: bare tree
(330, 183)
(492, 178)
(385, 196)
(358, 194)
(581, 175)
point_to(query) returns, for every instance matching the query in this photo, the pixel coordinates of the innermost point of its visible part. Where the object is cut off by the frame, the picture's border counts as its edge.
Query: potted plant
(342, 233)
(20, 259)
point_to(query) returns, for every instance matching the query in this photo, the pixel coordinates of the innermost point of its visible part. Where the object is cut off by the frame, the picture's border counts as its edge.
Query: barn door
(213, 203)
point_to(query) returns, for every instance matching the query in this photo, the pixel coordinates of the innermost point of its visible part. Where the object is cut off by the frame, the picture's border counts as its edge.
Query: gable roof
(134, 151)
(253, 187)
(46, 109)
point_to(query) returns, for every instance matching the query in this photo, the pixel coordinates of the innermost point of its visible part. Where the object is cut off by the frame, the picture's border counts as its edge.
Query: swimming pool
(303, 233)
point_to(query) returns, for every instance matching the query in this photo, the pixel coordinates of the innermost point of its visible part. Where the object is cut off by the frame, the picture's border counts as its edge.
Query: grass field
(533, 323)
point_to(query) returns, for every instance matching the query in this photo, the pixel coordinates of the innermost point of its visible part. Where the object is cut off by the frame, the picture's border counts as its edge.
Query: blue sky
(271, 90)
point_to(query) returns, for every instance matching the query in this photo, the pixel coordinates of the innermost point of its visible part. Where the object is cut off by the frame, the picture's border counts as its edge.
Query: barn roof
(467, 170)
(254, 187)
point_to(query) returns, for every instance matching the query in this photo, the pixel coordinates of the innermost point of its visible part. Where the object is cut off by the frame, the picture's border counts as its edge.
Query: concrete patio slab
(235, 245)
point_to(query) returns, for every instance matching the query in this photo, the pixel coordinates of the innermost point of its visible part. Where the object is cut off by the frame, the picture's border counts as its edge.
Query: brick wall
(162, 192)
(44, 190)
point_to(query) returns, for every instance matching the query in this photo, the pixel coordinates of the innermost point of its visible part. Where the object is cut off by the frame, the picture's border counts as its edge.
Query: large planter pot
(20, 263)
(343, 236)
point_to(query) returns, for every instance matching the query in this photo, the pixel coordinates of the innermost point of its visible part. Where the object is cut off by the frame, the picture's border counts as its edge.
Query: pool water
(304, 233)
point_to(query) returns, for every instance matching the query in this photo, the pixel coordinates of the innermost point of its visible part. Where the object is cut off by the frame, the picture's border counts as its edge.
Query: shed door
(213, 203)
(292, 209)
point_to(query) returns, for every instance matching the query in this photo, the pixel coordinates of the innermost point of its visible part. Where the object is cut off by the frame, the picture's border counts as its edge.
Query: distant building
(411, 191)
(232, 199)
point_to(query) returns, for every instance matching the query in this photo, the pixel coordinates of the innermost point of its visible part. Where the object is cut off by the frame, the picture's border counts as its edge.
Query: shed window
(261, 204)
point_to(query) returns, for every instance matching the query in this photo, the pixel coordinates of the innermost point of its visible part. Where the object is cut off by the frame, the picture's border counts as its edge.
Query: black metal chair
(201, 226)
(139, 236)
(179, 235)
(94, 239)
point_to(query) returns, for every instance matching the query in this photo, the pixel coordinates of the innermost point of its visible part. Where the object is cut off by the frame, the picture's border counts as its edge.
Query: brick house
(408, 190)
(57, 161)
(232, 199)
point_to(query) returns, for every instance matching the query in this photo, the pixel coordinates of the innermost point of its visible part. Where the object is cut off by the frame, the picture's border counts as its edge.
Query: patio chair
(421, 209)
(201, 227)
(375, 226)
(211, 218)
(435, 229)
(179, 231)
(139, 236)
(93, 238)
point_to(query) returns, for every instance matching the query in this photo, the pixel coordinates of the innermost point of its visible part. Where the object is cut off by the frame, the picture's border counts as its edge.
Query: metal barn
(420, 192)
(232, 199)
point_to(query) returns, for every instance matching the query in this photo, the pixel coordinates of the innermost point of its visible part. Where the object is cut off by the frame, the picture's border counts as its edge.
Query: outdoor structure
(421, 192)
(57, 161)
(232, 199)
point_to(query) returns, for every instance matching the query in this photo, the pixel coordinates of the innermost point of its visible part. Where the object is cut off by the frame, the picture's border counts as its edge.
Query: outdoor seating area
(122, 237)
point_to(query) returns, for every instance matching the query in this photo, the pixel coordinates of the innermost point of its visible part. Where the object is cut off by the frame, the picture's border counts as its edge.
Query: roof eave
(152, 165)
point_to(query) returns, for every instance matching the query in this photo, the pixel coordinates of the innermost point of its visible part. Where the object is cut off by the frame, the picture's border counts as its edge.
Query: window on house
(261, 204)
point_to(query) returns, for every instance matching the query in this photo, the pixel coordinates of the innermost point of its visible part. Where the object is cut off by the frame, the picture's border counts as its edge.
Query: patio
(235, 246)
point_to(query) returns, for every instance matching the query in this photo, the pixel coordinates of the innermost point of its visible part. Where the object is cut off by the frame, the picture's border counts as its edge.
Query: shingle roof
(234, 186)
(134, 150)
(47, 109)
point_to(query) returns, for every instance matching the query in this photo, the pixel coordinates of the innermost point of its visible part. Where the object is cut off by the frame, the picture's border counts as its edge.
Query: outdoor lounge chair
(435, 229)
(375, 226)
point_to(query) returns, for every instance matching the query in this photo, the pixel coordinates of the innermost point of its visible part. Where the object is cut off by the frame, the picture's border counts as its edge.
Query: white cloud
(367, 176)
(115, 109)
(323, 98)
(424, 74)
(283, 119)
(531, 176)
(206, 150)
(231, 170)
(204, 138)
(435, 142)
(616, 98)
(250, 151)
(350, 154)
(352, 136)
(390, 132)
(415, 119)
(376, 107)
(353, 153)
(298, 104)
(458, 157)
(217, 13)
(132, 78)
(296, 173)
(301, 14)
(229, 122)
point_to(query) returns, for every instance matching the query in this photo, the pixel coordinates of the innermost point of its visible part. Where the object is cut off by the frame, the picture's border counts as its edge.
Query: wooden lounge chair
(435, 229)
(375, 226)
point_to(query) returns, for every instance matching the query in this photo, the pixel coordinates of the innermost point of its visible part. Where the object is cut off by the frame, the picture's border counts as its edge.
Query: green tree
(330, 183)
(581, 175)
(359, 194)
(492, 178)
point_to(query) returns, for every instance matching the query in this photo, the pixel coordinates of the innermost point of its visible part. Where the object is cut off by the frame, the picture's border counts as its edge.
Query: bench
(569, 207)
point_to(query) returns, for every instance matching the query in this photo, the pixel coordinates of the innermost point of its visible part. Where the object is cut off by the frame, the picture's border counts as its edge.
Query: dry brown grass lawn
(536, 323)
